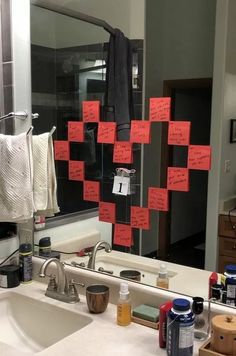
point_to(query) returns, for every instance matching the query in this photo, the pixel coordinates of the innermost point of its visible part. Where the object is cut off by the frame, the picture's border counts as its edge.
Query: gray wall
(179, 45)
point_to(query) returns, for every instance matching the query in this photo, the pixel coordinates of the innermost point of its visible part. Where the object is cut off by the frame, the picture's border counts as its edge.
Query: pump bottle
(124, 306)
(162, 279)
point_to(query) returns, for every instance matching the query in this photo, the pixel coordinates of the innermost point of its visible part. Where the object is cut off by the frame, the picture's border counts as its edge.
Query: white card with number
(121, 185)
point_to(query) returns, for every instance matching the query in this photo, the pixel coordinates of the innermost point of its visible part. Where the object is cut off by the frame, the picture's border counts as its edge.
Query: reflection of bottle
(212, 280)
(162, 279)
(124, 306)
(45, 247)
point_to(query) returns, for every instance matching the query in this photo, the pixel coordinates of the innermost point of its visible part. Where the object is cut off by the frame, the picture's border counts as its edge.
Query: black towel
(119, 93)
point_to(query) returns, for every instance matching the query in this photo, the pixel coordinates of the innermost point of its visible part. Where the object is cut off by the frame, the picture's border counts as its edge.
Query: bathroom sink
(117, 264)
(30, 325)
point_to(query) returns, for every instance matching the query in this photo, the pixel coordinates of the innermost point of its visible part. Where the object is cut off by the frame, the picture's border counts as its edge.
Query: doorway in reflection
(182, 230)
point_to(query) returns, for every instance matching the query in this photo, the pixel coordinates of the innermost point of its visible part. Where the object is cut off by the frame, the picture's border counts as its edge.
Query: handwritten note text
(179, 133)
(159, 109)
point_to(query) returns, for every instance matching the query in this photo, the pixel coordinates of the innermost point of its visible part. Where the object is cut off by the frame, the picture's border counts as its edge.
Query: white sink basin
(30, 325)
(116, 264)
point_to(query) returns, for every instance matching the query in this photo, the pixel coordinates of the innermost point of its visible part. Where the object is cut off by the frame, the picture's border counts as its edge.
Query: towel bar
(18, 115)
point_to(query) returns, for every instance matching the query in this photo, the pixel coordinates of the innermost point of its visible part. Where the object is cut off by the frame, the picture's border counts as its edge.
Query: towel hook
(30, 130)
(52, 130)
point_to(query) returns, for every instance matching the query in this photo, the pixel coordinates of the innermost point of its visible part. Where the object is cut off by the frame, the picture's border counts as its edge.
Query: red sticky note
(107, 212)
(75, 131)
(106, 132)
(140, 131)
(158, 199)
(76, 170)
(179, 133)
(62, 150)
(140, 217)
(123, 235)
(178, 179)
(91, 191)
(159, 109)
(91, 111)
(199, 157)
(122, 152)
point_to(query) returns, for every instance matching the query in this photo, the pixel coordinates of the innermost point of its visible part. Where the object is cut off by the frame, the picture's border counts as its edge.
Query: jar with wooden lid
(224, 334)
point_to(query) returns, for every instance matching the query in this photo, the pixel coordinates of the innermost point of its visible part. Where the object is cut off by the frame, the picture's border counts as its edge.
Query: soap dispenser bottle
(124, 306)
(162, 279)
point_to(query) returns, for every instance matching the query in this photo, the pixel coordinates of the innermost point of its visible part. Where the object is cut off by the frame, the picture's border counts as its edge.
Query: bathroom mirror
(75, 52)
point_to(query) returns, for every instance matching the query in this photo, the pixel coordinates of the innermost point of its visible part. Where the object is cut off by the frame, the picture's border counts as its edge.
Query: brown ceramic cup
(97, 296)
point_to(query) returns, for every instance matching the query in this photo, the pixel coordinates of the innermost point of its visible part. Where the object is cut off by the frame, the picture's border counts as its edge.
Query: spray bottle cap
(124, 289)
(163, 271)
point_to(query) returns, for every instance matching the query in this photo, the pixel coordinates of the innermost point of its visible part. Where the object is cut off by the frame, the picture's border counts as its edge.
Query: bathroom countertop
(101, 337)
(187, 280)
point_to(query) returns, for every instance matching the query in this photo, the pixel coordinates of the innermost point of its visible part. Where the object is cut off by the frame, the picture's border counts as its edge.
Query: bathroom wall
(179, 45)
(228, 180)
(222, 185)
(127, 15)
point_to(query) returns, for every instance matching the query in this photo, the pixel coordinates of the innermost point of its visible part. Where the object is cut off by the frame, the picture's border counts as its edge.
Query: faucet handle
(52, 284)
(72, 291)
(73, 282)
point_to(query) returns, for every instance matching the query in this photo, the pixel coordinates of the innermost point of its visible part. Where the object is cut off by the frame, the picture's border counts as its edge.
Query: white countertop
(187, 280)
(101, 337)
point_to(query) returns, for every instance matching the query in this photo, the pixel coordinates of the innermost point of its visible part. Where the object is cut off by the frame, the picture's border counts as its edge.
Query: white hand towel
(16, 194)
(45, 184)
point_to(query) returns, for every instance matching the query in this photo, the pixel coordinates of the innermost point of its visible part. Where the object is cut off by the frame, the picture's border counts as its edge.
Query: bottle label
(231, 291)
(26, 267)
(186, 335)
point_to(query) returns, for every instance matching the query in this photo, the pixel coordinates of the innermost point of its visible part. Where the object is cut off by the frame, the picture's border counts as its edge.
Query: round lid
(5, 270)
(225, 323)
(45, 242)
(197, 306)
(231, 269)
(181, 304)
(24, 248)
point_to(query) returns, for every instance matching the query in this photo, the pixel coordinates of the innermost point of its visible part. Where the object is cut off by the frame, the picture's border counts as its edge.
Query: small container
(164, 309)
(9, 276)
(162, 279)
(26, 266)
(216, 291)
(180, 329)
(45, 247)
(224, 334)
(124, 306)
(230, 284)
(212, 280)
(200, 325)
(131, 274)
(97, 297)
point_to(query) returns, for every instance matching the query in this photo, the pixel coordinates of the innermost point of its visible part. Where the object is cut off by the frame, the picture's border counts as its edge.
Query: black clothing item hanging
(119, 93)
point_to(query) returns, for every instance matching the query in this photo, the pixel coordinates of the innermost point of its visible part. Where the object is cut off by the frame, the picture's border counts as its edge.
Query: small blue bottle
(230, 284)
(180, 329)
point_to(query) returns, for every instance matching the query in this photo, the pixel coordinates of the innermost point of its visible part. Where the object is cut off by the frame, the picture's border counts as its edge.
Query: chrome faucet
(91, 262)
(61, 289)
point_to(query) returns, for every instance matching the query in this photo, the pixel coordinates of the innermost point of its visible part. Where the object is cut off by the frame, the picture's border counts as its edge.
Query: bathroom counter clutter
(49, 327)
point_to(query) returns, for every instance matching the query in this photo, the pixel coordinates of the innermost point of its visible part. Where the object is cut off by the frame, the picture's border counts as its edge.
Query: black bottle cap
(25, 248)
(197, 306)
(45, 242)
